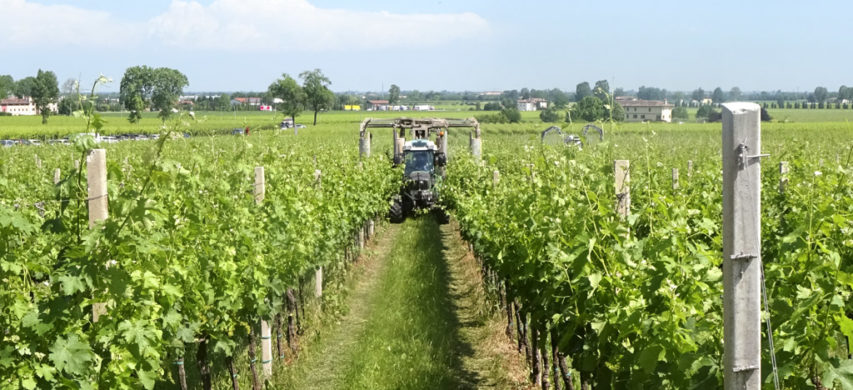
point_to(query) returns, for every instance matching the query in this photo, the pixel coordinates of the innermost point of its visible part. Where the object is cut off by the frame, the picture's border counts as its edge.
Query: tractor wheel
(396, 213)
(441, 215)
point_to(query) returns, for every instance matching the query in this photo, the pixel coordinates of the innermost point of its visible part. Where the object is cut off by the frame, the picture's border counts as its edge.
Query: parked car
(8, 143)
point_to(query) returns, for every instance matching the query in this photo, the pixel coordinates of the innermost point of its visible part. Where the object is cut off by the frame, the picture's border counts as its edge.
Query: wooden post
(266, 334)
(783, 175)
(96, 178)
(622, 173)
(57, 176)
(674, 178)
(742, 246)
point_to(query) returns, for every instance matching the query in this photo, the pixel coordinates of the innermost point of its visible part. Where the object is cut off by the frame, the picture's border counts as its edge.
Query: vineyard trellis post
(622, 184)
(96, 179)
(742, 246)
(674, 178)
(783, 175)
(689, 168)
(266, 334)
(364, 145)
(57, 176)
(318, 274)
(476, 145)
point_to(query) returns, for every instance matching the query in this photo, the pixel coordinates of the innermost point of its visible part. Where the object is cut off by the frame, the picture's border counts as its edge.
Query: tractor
(424, 160)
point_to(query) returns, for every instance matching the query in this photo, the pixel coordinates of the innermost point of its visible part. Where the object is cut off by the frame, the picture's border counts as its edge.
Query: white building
(532, 104)
(637, 110)
(23, 106)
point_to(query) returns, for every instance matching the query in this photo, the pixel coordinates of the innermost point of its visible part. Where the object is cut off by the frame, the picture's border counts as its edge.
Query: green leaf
(841, 371)
(71, 355)
(649, 358)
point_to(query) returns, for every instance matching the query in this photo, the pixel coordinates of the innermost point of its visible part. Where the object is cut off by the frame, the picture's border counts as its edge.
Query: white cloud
(26, 24)
(298, 25)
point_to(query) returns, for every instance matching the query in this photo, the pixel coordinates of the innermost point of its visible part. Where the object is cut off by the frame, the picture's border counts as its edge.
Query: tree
(617, 114)
(651, 93)
(393, 94)
(317, 94)
(582, 90)
(718, 96)
(24, 87)
(844, 92)
(602, 90)
(698, 95)
(288, 90)
(143, 87)
(589, 109)
(511, 114)
(7, 86)
(525, 93)
(549, 115)
(558, 98)
(168, 86)
(820, 94)
(735, 94)
(222, 103)
(45, 91)
(135, 90)
(680, 113)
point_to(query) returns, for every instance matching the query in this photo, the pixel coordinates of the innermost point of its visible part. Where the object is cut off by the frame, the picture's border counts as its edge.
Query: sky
(457, 45)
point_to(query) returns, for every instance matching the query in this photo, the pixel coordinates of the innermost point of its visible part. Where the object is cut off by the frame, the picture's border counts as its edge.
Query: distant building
(352, 107)
(378, 105)
(491, 93)
(252, 101)
(423, 107)
(532, 104)
(637, 110)
(22, 106)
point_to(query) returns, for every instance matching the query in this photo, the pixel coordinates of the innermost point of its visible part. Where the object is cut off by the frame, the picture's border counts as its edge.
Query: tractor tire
(396, 214)
(441, 216)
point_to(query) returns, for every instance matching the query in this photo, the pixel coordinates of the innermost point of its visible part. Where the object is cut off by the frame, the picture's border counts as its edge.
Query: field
(198, 250)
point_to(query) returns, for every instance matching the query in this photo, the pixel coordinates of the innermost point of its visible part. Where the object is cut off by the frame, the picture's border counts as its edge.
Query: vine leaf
(71, 355)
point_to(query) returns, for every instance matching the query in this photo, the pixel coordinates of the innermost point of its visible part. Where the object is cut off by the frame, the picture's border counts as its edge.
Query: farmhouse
(252, 101)
(378, 105)
(637, 110)
(23, 106)
(532, 104)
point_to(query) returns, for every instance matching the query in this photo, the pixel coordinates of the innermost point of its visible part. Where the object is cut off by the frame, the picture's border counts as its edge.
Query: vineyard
(213, 246)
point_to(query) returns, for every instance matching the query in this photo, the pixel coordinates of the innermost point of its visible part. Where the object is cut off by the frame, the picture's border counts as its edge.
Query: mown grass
(408, 337)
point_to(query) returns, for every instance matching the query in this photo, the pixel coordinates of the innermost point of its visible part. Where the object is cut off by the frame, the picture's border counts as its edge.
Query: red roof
(377, 101)
(15, 102)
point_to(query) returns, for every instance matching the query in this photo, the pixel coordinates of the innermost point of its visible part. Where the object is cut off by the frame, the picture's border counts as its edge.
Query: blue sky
(476, 45)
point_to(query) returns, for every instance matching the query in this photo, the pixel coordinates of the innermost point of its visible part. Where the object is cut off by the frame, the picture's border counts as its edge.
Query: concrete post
(689, 168)
(364, 145)
(783, 175)
(266, 334)
(96, 178)
(622, 186)
(476, 145)
(742, 246)
(674, 178)
(57, 176)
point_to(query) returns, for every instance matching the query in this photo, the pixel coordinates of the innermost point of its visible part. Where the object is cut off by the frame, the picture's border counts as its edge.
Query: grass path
(418, 319)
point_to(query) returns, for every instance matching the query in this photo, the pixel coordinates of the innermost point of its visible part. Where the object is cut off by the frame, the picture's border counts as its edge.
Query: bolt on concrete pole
(742, 246)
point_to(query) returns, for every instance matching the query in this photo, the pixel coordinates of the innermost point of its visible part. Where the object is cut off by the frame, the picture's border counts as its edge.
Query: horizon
(231, 45)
